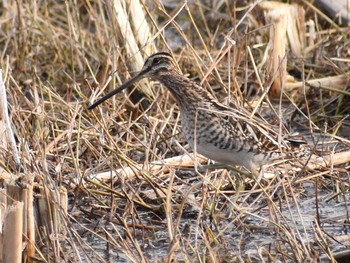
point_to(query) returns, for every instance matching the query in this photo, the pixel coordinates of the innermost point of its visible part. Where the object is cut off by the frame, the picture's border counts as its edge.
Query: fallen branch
(183, 161)
(186, 160)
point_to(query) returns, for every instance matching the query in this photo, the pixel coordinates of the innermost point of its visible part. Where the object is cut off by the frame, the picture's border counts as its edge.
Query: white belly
(226, 156)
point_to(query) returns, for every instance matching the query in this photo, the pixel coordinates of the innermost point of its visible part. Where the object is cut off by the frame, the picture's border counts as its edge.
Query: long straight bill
(128, 83)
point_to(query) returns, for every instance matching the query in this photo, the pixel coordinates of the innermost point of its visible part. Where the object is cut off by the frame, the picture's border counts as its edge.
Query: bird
(223, 134)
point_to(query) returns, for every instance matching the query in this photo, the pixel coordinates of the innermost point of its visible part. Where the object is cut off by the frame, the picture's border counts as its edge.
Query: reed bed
(120, 184)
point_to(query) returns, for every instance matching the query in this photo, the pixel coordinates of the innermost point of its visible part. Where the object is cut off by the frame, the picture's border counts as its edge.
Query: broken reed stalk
(287, 29)
(12, 233)
(24, 193)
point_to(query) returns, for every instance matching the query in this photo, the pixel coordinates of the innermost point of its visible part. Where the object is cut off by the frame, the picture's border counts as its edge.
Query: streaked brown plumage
(212, 129)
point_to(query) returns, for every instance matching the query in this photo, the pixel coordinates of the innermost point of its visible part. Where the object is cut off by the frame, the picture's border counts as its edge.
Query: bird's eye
(156, 60)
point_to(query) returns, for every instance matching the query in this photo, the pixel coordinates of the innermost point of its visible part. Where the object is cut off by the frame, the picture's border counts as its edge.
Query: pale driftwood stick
(320, 162)
(7, 137)
(330, 160)
(155, 167)
(316, 162)
(13, 227)
(336, 82)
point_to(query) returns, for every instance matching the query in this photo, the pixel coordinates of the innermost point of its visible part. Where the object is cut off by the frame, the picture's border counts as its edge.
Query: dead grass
(58, 57)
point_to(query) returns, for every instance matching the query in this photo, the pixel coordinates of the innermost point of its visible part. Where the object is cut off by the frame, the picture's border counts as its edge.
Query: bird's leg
(258, 173)
(239, 187)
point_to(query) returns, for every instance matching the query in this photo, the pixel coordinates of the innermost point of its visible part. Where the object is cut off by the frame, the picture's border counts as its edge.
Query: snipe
(212, 129)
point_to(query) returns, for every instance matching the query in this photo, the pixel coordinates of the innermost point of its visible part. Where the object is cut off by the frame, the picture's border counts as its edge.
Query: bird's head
(157, 65)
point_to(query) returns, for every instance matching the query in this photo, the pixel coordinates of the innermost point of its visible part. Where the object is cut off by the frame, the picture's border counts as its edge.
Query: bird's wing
(255, 131)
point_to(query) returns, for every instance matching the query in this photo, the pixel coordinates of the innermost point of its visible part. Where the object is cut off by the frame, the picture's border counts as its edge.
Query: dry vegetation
(58, 57)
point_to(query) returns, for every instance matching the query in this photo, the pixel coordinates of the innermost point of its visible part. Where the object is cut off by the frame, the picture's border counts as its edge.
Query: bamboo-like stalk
(13, 228)
(29, 221)
(24, 194)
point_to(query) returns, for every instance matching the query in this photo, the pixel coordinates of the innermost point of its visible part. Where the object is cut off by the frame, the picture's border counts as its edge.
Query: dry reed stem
(134, 33)
(12, 233)
(7, 137)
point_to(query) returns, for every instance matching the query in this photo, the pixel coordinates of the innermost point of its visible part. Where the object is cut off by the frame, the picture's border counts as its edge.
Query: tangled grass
(60, 56)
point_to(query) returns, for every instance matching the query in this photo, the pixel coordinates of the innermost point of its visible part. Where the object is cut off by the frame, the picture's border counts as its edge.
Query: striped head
(157, 65)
